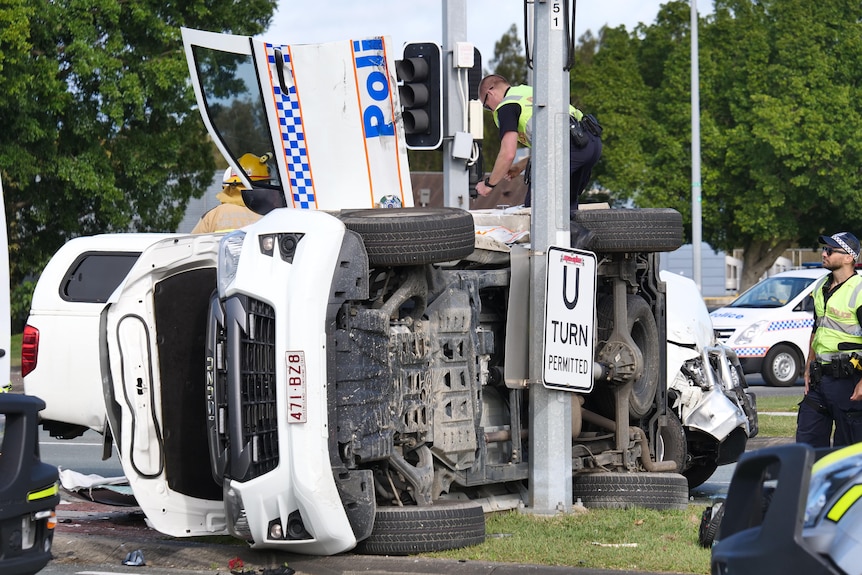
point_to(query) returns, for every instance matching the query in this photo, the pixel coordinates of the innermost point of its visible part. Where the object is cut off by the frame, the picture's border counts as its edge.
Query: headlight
(751, 332)
(228, 259)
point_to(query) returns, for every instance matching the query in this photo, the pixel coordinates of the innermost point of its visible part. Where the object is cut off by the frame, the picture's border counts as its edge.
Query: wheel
(698, 473)
(613, 490)
(413, 236)
(782, 366)
(710, 521)
(672, 445)
(411, 529)
(633, 230)
(644, 332)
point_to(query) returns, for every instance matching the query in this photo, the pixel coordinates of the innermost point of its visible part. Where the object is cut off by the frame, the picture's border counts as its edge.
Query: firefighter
(232, 213)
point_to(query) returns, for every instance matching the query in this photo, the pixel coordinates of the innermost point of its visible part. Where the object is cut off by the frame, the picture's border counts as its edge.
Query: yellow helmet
(254, 167)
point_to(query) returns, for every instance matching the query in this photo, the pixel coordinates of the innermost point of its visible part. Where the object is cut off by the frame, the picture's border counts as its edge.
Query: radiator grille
(256, 383)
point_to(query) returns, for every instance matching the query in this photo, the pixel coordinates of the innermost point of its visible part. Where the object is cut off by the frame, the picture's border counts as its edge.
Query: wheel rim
(784, 366)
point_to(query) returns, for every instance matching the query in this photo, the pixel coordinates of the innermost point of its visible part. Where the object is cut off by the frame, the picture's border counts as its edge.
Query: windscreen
(772, 292)
(235, 106)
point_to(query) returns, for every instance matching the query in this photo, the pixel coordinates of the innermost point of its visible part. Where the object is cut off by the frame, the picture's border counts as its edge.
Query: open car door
(327, 116)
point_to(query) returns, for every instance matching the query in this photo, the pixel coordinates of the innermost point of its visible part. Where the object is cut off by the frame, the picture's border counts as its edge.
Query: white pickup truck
(330, 379)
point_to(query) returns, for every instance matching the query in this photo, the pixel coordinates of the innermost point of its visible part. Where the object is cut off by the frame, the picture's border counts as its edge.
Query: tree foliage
(780, 114)
(101, 132)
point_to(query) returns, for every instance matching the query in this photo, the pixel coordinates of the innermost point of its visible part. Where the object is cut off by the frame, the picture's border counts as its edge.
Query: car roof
(802, 273)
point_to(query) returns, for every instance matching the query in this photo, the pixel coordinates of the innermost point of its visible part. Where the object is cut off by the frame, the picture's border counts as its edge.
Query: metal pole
(456, 179)
(550, 411)
(696, 188)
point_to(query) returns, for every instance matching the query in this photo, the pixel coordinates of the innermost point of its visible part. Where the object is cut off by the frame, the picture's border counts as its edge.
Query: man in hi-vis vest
(512, 107)
(833, 378)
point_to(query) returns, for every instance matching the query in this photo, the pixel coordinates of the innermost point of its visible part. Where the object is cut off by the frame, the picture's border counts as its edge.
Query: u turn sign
(570, 303)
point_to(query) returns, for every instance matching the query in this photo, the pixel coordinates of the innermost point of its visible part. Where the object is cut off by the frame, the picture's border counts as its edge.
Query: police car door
(325, 112)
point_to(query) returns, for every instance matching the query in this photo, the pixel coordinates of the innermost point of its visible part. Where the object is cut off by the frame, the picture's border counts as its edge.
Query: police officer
(833, 378)
(512, 107)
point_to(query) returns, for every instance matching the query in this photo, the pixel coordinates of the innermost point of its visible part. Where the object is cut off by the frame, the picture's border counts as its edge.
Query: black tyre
(644, 332)
(673, 446)
(698, 473)
(612, 490)
(634, 230)
(413, 236)
(408, 530)
(782, 366)
(710, 521)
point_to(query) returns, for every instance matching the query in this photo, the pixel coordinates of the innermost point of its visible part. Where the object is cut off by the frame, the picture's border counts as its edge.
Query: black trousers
(829, 403)
(581, 162)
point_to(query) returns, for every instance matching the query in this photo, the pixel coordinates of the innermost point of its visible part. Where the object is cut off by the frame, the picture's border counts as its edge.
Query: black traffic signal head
(421, 92)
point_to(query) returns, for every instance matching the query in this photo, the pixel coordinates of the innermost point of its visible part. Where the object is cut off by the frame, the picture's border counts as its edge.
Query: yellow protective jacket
(836, 319)
(523, 96)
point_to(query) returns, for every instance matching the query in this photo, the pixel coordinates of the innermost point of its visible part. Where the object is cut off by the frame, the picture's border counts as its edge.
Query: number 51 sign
(570, 304)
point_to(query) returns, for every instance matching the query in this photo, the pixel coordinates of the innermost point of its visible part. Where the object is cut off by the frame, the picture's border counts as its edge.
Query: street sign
(570, 304)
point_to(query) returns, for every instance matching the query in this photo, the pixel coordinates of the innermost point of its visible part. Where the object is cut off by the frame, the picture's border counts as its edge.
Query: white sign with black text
(570, 303)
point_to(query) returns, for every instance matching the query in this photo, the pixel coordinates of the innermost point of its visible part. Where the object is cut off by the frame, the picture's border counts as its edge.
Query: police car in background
(769, 325)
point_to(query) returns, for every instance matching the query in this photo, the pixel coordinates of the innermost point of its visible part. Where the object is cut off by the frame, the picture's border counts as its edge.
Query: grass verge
(15, 359)
(622, 539)
(786, 403)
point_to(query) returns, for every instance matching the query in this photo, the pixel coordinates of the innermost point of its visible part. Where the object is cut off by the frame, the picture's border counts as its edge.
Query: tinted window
(94, 276)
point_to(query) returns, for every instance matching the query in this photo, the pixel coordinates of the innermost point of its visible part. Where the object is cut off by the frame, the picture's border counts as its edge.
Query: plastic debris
(135, 559)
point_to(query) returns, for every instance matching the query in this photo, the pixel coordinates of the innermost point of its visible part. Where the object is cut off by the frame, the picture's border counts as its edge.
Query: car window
(2, 431)
(94, 276)
(772, 292)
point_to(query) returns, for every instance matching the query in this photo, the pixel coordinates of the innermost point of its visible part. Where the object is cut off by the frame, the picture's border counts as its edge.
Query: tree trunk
(758, 258)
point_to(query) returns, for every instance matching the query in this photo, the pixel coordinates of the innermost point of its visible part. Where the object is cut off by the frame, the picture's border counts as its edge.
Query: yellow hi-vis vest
(523, 96)
(836, 320)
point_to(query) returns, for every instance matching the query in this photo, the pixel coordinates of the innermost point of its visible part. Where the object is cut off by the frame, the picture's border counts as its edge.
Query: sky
(317, 21)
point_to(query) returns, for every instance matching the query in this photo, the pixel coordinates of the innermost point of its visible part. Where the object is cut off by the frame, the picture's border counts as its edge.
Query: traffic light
(421, 91)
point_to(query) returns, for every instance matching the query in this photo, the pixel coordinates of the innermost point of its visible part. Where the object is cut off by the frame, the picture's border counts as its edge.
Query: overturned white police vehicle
(359, 375)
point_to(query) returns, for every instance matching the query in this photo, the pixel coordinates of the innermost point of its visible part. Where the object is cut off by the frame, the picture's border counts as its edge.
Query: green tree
(780, 114)
(509, 59)
(101, 131)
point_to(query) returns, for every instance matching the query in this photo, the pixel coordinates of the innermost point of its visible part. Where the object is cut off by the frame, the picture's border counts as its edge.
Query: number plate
(295, 367)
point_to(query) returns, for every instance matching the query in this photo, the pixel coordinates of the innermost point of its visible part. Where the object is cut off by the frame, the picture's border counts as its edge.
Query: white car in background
(769, 325)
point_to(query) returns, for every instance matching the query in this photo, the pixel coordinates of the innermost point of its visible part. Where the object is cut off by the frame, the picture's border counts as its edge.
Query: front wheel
(410, 529)
(782, 366)
(413, 236)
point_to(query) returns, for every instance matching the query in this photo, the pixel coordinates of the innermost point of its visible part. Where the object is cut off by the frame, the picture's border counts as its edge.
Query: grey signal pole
(550, 410)
(696, 188)
(456, 179)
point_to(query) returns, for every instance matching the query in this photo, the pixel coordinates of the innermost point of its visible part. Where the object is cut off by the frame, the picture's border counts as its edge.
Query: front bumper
(268, 417)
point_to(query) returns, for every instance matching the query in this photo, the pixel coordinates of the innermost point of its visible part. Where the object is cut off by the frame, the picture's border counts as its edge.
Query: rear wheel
(615, 490)
(782, 366)
(410, 529)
